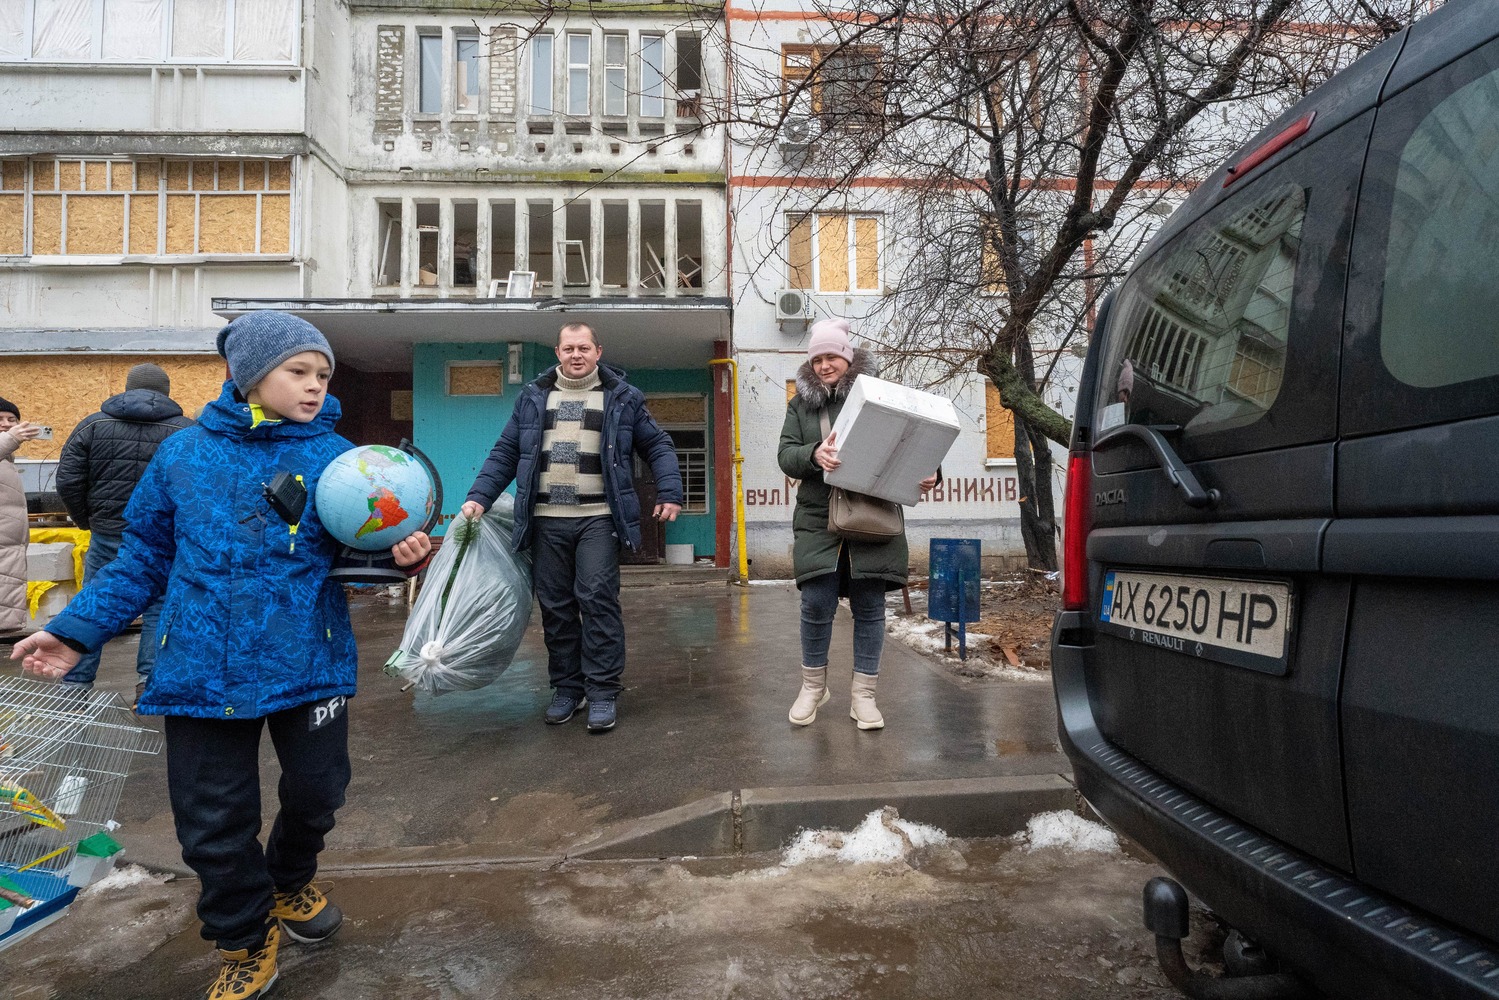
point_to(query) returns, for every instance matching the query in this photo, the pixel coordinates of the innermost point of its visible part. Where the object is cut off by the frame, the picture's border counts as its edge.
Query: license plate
(1243, 622)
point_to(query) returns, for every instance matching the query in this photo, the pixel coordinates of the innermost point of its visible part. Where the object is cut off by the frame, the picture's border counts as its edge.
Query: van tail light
(1075, 526)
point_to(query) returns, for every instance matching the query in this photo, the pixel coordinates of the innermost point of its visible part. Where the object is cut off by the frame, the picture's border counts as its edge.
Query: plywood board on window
(148, 176)
(280, 175)
(121, 176)
(69, 175)
(832, 253)
(179, 173)
(999, 424)
(96, 224)
(799, 252)
(255, 175)
(401, 404)
(275, 223)
(229, 179)
(143, 223)
(226, 223)
(60, 391)
(483, 379)
(12, 224)
(46, 223)
(203, 175)
(96, 176)
(867, 253)
(181, 220)
(43, 175)
(677, 409)
(12, 175)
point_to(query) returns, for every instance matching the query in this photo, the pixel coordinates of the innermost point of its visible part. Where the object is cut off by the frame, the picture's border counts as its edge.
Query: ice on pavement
(881, 838)
(1067, 831)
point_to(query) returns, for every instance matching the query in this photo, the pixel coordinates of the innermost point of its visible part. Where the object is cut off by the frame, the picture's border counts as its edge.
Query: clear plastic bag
(472, 610)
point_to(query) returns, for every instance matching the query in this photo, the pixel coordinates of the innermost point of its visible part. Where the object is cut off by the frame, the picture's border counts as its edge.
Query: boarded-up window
(834, 252)
(790, 389)
(475, 378)
(12, 207)
(113, 207)
(678, 409)
(841, 85)
(999, 425)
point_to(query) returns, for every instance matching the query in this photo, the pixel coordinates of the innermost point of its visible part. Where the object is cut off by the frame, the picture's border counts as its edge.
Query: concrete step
(665, 576)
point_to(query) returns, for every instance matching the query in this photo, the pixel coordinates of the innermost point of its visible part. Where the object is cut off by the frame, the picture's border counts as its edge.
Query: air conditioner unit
(792, 305)
(796, 135)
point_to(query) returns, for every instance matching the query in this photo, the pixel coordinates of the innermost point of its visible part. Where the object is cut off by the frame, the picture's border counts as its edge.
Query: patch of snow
(1069, 832)
(124, 878)
(926, 636)
(881, 838)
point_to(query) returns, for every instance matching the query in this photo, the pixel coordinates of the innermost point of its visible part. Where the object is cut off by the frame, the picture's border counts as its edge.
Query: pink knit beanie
(830, 336)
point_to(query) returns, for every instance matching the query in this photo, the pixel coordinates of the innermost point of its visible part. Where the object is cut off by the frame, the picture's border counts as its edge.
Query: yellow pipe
(738, 466)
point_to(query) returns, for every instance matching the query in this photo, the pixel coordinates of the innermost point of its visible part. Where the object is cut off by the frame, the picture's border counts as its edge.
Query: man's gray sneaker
(601, 716)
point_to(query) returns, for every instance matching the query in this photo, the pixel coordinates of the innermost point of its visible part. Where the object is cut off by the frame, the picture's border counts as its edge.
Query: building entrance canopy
(377, 334)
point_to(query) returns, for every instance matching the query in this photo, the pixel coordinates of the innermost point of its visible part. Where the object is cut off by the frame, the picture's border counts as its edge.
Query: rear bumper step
(1346, 938)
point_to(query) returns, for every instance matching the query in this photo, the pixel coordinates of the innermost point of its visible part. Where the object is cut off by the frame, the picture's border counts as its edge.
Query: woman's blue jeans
(866, 598)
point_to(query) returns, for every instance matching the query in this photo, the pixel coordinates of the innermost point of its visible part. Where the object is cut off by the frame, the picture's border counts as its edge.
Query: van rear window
(1441, 295)
(1200, 336)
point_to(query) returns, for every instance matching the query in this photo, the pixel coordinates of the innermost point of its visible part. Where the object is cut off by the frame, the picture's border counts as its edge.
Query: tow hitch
(1166, 916)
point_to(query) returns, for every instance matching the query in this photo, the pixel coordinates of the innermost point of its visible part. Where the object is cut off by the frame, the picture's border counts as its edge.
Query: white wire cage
(64, 755)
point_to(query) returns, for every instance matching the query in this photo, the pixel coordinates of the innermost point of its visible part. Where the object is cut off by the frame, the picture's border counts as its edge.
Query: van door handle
(1165, 456)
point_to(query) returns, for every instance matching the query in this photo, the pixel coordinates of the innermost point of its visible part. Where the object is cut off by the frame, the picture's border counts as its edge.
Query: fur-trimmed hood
(816, 395)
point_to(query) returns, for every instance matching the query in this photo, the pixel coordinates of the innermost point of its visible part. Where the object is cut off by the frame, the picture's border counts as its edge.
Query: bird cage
(64, 756)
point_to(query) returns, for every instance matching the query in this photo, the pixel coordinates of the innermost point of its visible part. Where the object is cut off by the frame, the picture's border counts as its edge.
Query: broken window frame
(806, 80)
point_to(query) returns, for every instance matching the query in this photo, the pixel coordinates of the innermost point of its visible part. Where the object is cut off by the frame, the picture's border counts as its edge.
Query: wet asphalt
(456, 856)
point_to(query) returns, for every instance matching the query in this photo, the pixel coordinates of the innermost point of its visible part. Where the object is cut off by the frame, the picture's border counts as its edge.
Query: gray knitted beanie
(149, 376)
(255, 343)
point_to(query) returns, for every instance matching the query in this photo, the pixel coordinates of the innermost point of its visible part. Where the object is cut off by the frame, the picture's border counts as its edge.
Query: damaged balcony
(543, 246)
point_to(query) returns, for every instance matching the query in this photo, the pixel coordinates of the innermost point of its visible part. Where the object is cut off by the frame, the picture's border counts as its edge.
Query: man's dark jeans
(102, 549)
(213, 778)
(575, 569)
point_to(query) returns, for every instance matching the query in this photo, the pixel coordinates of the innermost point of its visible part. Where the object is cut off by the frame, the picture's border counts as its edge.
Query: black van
(1277, 667)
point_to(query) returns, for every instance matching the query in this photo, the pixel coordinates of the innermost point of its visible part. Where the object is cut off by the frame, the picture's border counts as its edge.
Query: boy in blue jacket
(253, 636)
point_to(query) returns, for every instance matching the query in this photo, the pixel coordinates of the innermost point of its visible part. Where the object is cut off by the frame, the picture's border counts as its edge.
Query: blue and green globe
(371, 497)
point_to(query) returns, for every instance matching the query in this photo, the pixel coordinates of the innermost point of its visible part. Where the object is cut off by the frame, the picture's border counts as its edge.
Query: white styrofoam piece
(889, 438)
(51, 605)
(49, 561)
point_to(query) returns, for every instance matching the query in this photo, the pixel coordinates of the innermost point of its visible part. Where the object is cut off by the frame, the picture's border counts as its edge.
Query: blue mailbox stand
(953, 594)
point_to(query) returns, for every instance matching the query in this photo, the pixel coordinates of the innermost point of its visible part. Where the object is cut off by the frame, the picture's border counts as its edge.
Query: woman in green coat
(827, 566)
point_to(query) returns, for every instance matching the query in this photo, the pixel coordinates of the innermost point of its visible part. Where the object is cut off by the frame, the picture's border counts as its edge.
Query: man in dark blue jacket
(104, 458)
(568, 447)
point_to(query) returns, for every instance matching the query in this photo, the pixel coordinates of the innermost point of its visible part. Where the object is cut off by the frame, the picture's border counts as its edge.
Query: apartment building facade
(438, 188)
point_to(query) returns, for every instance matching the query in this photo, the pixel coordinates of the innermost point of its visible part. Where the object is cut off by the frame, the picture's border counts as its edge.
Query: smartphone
(45, 434)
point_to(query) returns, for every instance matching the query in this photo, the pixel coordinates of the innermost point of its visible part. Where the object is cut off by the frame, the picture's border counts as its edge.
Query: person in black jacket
(104, 458)
(568, 447)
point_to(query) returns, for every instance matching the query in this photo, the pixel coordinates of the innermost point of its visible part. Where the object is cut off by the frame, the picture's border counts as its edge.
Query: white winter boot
(812, 696)
(861, 707)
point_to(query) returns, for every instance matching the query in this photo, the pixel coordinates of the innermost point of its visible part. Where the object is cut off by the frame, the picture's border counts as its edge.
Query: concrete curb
(764, 819)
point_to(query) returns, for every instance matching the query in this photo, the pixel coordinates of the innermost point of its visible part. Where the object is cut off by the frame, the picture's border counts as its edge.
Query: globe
(371, 497)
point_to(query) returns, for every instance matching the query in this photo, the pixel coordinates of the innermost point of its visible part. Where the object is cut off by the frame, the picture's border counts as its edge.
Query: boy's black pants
(213, 777)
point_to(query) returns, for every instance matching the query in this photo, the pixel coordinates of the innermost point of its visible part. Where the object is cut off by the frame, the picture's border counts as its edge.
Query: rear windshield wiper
(1165, 456)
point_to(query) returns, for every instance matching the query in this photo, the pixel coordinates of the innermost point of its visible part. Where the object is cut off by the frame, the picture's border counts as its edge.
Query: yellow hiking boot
(245, 975)
(307, 916)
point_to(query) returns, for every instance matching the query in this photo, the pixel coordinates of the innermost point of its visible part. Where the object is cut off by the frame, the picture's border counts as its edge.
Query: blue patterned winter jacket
(251, 624)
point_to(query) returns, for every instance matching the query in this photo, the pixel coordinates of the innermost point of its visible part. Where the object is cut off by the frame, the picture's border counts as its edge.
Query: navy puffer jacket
(251, 623)
(628, 428)
(108, 452)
